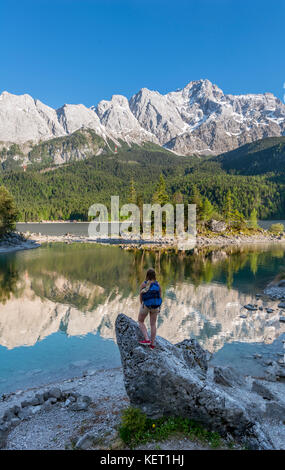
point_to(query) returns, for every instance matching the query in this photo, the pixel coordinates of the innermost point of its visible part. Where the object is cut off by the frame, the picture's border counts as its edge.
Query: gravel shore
(15, 242)
(161, 242)
(61, 428)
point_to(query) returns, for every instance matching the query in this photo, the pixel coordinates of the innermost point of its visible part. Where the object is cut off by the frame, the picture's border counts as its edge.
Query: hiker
(150, 299)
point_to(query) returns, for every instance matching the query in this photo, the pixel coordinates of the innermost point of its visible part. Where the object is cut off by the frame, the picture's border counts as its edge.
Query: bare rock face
(119, 120)
(198, 119)
(163, 382)
(227, 376)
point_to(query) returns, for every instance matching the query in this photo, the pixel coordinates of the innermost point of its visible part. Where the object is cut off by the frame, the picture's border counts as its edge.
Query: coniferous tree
(196, 198)
(228, 207)
(132, 193)
(160, 196)
(253, 222)
(8, 212)
(207, 209)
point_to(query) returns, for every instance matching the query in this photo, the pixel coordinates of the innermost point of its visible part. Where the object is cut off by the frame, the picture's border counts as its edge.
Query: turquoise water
(59, 303)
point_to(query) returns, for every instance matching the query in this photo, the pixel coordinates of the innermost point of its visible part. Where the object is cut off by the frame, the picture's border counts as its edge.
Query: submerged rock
(163, 382)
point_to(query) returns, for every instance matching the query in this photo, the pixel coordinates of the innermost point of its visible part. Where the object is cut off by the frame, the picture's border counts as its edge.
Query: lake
(59, 303)
(81, 228)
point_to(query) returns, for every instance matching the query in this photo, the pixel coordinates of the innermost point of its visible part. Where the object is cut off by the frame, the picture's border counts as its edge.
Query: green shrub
(133, 424)
(136, 429)
(276, 228)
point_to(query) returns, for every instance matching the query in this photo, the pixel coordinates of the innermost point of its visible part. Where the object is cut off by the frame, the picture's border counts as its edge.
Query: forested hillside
(66, 192)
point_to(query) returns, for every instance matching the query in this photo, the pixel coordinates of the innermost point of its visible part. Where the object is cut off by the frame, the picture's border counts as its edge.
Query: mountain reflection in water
(80, 289)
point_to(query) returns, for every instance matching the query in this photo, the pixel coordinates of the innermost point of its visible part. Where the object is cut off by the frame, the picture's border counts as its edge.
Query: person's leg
(142, 316)
(153, 318)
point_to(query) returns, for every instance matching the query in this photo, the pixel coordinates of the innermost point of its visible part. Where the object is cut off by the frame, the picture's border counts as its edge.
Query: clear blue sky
(82, 51)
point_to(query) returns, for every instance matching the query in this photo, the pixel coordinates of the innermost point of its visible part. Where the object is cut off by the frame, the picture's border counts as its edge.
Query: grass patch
(136, 429)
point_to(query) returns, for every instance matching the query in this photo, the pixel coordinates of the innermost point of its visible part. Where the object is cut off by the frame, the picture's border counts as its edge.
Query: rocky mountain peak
(197, 119)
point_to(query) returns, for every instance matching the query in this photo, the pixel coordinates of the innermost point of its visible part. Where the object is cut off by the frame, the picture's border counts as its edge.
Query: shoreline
(219, 241)
(29, 241)
(17, 242)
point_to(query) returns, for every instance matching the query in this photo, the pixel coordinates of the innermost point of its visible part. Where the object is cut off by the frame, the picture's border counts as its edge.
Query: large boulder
(166, 382)
(217, 226)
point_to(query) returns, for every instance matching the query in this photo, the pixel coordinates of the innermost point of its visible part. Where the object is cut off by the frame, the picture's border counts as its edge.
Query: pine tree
(207, 209)
(238, 220)
(253, 223)
(132, 199)
(228, 207)
(160, 196)
(177, 198)
(196, 198)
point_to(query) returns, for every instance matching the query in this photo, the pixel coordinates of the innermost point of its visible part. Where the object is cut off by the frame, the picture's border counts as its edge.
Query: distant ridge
(263, 156)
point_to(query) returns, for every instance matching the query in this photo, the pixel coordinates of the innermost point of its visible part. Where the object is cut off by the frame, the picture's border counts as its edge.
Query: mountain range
(196, 120)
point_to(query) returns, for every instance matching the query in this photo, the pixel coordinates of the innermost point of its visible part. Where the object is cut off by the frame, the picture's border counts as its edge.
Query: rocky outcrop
(165, 382)
(217, 226)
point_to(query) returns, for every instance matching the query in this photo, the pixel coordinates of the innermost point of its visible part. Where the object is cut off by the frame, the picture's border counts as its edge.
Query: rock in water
(163, 382)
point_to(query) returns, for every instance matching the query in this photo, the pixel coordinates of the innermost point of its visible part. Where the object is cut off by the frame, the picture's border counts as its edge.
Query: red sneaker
(152, 346)
(144, 342)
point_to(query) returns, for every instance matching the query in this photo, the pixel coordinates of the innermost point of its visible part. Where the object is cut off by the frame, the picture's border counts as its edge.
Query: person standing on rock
(150, 299)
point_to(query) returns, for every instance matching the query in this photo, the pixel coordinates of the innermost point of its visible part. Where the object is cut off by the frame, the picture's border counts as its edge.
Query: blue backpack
(151, 298)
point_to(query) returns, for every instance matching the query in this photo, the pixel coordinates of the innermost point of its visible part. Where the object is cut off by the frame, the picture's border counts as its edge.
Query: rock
(275, 411)
(217, 226)
(260, 389)
(86, 441)
(67, 403)
(250, 307)
(25, 414)
(272, 373)
(260, 308)
(52, 400)
(36, 409)
(161, 383)
(15, 421)
(257, 356)
(193, 354)
(47, 406)
(40, 398)
(74, 395)
(282, 319)
(86, 399)
(8, 415)
(243, 316)
(34, 401)
(268, 362)
(54, 393)
(81, 404)
(227, 376)
(4, 431)
(269, 310)
(282, 304)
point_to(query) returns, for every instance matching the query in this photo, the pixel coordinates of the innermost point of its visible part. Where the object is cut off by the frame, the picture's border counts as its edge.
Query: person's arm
(142, 285)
